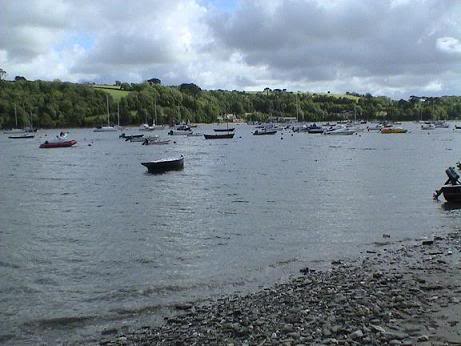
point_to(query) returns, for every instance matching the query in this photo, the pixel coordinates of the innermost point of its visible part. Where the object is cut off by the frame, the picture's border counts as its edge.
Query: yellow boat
(393, 130)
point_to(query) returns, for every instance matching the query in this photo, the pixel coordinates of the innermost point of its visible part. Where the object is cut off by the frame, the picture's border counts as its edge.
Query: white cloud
(395, 47)
(449, 45)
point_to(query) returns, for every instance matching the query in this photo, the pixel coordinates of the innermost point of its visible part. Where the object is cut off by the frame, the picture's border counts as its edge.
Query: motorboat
(179, 132)
(128, 137)
(21, 136)
(60, 141)
(451, 190)
(219, 136)
(341, 130)
(440, 124)
(427, 126)
(164, 165)
(264, 131)
(375, 127)
(155, 140)
(314, 128)
(387, 130)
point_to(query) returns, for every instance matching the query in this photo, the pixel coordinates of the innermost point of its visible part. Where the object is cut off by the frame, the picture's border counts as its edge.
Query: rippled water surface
(89, 240)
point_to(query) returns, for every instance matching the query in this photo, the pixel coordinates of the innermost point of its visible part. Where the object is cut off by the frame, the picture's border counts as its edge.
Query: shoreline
(403, 295)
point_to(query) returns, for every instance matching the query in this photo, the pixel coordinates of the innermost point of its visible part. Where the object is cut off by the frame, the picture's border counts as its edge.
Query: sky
(395, 48)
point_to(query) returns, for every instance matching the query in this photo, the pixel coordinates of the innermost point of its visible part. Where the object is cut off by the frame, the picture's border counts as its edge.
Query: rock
(183, 306)
(423, 338)
(110, 331)
(378, 329)
(358, 334)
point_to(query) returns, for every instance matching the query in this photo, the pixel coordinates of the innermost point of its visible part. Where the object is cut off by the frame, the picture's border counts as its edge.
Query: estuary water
(90, 242)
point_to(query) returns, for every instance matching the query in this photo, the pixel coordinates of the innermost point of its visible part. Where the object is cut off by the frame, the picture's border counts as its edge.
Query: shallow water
(89, 240)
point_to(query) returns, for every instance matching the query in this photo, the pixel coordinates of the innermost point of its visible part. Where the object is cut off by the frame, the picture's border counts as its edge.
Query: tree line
(59, 104)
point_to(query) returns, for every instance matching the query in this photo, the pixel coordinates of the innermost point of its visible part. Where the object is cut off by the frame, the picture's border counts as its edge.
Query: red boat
(58, 144)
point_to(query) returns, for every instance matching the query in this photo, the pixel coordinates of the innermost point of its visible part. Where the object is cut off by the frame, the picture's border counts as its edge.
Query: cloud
(395, 47)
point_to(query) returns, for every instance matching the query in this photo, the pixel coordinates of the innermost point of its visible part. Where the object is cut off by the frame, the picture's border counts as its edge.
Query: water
(89, 240)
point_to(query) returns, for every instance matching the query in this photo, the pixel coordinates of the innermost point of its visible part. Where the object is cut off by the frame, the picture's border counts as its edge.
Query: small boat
(180, 132)
(451, 190)
(440, 124)
(105, 129)
(314, 128)
(123, 135)
(340, 131)
(375, 127)
(164, 165)
(21, 136)
(429, 126)
(224, 130)
(264, 131)
(457, 127)
(195, 134)
(219, 136)
(387, 130)
(155, 140)
(58, 144)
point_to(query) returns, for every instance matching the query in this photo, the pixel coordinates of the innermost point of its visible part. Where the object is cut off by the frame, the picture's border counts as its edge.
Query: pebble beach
(394, 294)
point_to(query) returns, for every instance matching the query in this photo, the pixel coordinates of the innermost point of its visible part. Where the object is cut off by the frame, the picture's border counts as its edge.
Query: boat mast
(155, 111)
(15, 116)
(107, 104)
(118, 114)
(297, 108)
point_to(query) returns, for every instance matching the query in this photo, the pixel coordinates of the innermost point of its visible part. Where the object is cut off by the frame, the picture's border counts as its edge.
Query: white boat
(441, 124)
(344, 131)
(107, 128)
(375, 127)
(427, 126)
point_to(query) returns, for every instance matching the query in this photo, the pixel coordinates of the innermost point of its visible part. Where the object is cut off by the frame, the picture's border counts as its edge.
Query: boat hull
(224, 130)
(388, 130)
(219, 136)
(63, 144)
(21, 137)
(262, 133)
(452, 193)
(161, 166)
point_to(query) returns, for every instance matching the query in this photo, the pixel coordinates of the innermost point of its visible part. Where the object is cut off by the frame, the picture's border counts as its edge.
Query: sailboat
(15, 130)
(107, 128)
(146, 126)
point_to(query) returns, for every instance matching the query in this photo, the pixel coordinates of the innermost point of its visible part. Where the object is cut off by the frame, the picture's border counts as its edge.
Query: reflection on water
(89, 240)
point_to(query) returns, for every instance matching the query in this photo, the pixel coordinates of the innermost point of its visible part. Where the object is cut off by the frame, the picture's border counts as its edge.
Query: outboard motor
(453, 177)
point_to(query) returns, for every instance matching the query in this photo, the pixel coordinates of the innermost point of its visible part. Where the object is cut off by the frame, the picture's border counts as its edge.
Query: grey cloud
(314, 41)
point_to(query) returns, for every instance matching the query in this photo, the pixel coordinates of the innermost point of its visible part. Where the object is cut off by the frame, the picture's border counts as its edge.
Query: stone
(358, 334)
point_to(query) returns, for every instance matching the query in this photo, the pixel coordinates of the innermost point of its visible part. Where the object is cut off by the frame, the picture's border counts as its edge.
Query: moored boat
(224, 130)
(314, 128)
(180, 132)
(164, 165)
(264, 131)
(219, 136)
(339, 131)
(155, 140)
(58, 144)
(451, 190)
(21, 136)
(387, 130)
